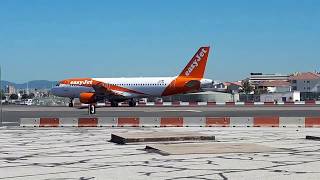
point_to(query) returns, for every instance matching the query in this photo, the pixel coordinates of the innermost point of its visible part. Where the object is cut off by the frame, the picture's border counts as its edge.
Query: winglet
(197, 65)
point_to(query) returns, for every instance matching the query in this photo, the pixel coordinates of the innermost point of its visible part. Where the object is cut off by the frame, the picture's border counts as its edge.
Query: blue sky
(52, 40)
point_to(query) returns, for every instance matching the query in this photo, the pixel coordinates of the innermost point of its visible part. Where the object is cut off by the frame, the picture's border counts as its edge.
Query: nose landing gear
(71, 102)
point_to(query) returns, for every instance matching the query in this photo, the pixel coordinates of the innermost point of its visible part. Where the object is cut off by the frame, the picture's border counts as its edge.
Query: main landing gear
(71, 102)
(132, 103)
(114, 104)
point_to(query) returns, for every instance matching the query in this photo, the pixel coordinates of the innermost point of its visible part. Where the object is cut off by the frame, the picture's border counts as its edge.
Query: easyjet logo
(195, 63)
(85, 82)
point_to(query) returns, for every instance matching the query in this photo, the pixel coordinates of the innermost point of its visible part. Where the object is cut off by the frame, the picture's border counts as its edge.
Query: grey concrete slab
(125, 138)
(85, 153)
(209, 148)
(317, 138)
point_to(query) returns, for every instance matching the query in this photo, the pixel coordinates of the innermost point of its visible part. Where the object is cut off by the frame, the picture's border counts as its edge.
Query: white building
(270, 83)
(10, 90)
(258, 78)
(305, 82)
(204, 97)
(275, 86)
(230, 87)
(280, 97)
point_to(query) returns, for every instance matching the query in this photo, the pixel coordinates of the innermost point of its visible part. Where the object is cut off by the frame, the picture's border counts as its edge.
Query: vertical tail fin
(197, 65)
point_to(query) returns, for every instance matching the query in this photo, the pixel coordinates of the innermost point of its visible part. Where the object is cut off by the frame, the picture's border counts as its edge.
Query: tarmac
(86, 153)
(12, 114)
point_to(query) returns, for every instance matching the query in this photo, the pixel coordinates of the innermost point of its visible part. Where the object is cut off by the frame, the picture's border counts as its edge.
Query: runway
(12, 114)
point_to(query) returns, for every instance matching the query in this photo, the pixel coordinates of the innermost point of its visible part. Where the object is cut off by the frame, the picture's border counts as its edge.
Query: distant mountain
(37, 84)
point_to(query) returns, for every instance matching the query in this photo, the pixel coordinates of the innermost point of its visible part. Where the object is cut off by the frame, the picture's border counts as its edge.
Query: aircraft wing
(110, 91)
(106, 90)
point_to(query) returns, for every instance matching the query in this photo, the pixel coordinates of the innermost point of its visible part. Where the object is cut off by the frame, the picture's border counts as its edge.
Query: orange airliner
(115, 90)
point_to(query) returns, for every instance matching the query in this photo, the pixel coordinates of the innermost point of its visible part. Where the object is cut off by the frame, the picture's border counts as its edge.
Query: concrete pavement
(85, 153)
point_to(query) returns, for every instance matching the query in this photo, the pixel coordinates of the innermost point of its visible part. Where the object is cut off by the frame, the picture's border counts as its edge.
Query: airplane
(91, 90)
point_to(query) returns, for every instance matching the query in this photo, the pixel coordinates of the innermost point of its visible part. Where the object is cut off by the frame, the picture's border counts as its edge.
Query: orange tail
(197, 65)
(189, 78)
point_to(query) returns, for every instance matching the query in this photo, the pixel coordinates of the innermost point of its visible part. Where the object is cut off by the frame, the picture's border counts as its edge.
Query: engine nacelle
(87, 98)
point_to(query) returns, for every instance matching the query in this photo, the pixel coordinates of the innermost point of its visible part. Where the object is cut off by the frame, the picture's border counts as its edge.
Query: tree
(31, 95)
(24, 96)
(247, 88)
(13, 96)
(2, 95)
(260, 91)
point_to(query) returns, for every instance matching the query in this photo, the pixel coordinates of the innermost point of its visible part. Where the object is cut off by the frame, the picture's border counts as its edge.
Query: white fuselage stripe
(152, 86)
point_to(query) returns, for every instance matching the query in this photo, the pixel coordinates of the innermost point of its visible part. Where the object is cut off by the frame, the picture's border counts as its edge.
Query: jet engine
(87, 98)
